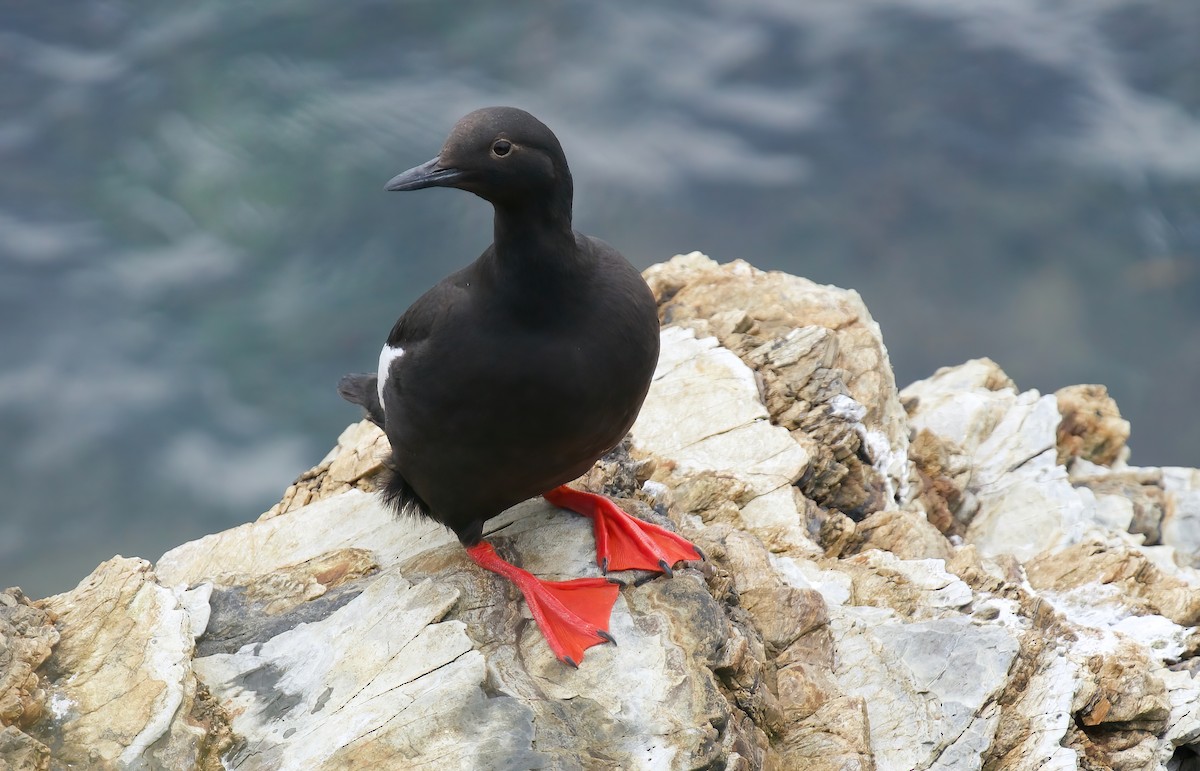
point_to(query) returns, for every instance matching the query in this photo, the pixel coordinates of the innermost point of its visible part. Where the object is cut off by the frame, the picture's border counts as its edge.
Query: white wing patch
(386, 357)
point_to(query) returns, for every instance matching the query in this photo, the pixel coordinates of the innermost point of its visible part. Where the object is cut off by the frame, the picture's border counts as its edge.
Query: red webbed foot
(624, 542)
(573, 615)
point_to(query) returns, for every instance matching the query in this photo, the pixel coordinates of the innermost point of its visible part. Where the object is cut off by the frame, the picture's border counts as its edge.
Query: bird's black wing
(413, 326)
(419, 321)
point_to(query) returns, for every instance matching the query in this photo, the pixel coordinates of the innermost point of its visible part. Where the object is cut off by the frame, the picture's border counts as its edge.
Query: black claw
(606, 636)
(645, 579)
(700, 552)
(616, 581)
(666, 568)
(604, 565)
(571, 661)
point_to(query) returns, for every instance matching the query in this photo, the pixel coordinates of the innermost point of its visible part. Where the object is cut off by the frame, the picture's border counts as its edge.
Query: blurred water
(195, 245)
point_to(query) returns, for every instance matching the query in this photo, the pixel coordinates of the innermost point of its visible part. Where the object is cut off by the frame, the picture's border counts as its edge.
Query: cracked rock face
(27, 636)
(122, 692)
(959, 575)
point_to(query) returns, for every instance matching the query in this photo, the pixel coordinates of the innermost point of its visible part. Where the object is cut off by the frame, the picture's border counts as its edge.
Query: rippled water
(195, 245)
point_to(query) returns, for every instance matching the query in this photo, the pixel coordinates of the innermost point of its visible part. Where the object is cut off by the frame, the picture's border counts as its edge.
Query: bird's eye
(501, 148)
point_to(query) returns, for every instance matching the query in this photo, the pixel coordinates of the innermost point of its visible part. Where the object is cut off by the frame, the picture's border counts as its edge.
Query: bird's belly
(520, 408)
(512, 424)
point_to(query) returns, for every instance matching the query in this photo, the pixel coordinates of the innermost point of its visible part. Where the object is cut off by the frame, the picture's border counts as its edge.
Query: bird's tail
(401, 497)
(362, 390)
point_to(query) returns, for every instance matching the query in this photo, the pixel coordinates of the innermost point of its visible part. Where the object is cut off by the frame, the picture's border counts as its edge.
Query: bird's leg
(624, 542)
(573, 615)
(362, 390)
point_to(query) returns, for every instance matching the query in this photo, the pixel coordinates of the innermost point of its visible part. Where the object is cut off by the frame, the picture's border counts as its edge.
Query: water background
(195, 244)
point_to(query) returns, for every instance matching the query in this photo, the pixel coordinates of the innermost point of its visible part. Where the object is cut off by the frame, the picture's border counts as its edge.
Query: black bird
(510, 378)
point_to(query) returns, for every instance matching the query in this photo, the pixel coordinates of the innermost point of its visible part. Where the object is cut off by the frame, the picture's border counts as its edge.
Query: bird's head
(501, 154)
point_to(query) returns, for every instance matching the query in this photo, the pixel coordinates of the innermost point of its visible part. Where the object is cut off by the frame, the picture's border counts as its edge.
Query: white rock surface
(1181, 524)
(930, 686)
(703, 412)
(1024, 501)
(128, 645)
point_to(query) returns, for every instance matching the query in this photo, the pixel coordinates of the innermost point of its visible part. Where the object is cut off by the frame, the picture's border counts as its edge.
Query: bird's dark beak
(428, 174)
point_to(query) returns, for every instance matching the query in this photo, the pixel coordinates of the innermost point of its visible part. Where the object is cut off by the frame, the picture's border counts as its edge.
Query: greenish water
(195, 245)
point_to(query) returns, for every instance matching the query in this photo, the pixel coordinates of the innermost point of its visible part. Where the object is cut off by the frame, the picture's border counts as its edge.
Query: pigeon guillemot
(509, 378)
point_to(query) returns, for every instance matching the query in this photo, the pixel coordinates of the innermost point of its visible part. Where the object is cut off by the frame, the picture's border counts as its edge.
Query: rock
(21, 752)
(1131, 577)
(27, 636)
(1181, 519)
(961, 575)
(360, 454)
(907, 534)
(1137, 493)
(823, 367)
(1014, 497)
(1091, 427)
(124, 686)
(725, 434)
(814, 724)
(930, 687)
(406, 657)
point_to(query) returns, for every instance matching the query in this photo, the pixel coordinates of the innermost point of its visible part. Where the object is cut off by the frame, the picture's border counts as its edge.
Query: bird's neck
(535, 235)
